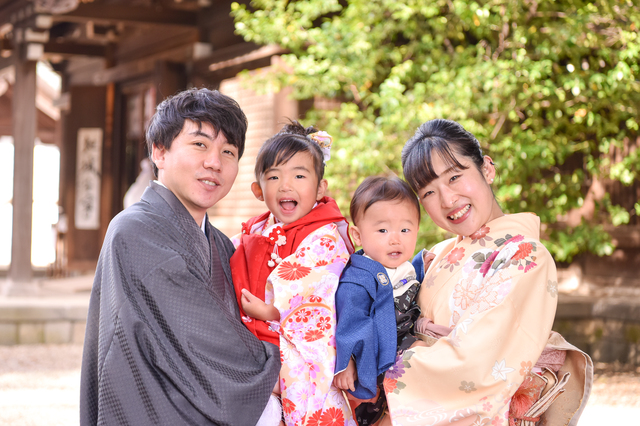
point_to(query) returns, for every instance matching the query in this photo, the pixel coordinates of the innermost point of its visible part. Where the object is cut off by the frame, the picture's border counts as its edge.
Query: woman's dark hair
(444, 137)
(289, 141)
(200, 106)
(379, 188)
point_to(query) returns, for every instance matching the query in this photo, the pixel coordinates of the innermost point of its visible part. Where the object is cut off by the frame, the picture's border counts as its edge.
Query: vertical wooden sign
(88, 178)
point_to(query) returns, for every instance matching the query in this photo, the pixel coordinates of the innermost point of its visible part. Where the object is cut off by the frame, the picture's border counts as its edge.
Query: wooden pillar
(24, 133)
(107, 190)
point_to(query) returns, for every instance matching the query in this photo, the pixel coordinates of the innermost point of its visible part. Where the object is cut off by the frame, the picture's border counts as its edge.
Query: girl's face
(460, 201)
(291, 189)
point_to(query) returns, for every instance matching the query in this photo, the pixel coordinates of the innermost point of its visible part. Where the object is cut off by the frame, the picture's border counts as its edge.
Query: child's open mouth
(288, 205)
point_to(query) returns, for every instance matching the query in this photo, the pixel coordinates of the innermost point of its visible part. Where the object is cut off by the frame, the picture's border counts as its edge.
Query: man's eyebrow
(201, 133)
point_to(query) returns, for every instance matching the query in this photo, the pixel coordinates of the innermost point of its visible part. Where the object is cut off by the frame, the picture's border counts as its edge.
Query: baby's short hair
(380, 188)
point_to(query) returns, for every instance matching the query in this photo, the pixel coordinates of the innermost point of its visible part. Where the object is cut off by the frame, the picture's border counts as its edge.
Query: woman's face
(460, 201)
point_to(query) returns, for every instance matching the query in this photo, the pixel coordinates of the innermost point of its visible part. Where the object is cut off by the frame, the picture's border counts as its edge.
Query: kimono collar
(326, 210)
(528, 226)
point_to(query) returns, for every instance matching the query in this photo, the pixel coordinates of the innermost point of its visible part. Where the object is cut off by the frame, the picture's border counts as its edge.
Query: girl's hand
(256, 308)
(346, 379)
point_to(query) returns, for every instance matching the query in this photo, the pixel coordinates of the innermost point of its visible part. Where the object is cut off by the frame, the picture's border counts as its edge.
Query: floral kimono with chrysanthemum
(296, 267)
(497, 292)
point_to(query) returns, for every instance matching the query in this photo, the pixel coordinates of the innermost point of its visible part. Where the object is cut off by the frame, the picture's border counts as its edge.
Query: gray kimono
(164, 343)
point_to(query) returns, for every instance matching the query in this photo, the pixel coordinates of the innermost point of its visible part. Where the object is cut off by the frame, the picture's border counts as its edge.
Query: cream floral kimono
(497, 290)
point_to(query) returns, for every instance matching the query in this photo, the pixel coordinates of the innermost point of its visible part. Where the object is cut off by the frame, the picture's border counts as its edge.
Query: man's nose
(212, 161)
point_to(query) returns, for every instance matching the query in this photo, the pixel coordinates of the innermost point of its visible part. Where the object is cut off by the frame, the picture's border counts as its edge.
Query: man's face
(199, 168)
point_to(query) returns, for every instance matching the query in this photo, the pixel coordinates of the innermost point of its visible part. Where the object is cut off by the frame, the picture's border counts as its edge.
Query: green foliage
(550, 88)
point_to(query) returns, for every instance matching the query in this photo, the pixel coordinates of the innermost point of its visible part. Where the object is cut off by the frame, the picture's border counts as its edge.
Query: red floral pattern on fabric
(480, 236)
(314, 420)
(389, 384)
(303, 315)
(455, 255)
(324, 323)
(332, 416)
(524, 250)
(276, 236)
(452, 259)
(288, 406)
(328, 243)
(313, 335)
(293, 271)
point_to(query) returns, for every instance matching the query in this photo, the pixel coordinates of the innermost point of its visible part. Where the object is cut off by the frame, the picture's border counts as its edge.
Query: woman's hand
(256, 308)
(427, 258)
(346, 379)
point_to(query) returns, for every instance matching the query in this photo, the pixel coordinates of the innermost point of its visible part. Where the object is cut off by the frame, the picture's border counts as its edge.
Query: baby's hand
(256, 308)
(346, 379)
(427, 258)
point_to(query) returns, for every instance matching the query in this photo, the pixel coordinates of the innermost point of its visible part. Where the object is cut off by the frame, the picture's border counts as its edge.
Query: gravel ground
(39, 386)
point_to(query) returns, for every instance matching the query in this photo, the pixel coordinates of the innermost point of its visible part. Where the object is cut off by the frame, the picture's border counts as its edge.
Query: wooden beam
(14, 11)
(142, 66)
(237, 57)
(75, 49)
(72, 49)
(24, 134)
(260, 53)
(129, 14)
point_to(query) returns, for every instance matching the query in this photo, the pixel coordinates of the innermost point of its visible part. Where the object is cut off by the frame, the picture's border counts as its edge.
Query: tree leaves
(550, 88)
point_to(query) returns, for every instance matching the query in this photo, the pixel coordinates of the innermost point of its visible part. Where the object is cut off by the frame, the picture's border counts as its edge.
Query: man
(164, 341)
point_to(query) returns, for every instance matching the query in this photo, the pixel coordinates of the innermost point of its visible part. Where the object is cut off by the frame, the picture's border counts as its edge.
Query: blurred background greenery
(549, 88)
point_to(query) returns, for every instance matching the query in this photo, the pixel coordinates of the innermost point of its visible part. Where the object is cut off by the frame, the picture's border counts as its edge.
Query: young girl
(286, 270)
(370, 332)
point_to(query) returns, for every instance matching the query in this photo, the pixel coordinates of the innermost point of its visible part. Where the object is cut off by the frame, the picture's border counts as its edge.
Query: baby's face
(388, 231)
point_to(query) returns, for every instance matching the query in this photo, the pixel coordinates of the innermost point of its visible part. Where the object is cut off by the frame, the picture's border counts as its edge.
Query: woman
(488, 302)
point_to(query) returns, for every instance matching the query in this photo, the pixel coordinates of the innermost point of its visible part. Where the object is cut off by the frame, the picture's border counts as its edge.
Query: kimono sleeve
(170, 351)
(501, 319)
(356, 336)
(304, 286)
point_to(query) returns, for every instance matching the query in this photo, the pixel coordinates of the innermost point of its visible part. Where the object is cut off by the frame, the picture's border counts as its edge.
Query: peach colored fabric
(497, 290)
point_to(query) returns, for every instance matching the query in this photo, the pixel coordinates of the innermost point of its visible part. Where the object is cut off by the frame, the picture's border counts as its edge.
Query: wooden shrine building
(118, 59)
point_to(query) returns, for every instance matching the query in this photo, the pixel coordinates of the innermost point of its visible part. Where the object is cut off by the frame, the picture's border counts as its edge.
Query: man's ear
(157, 155)
(257, 191)
(322, 188)
(355, 235)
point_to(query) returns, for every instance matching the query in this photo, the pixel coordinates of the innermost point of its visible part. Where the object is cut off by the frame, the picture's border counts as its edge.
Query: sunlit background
(46, 180)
